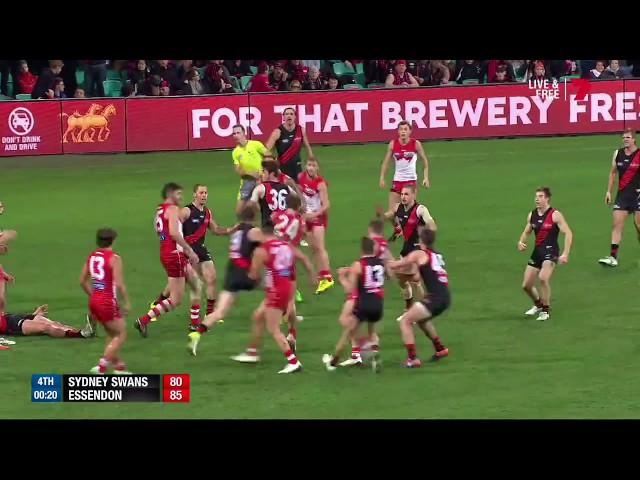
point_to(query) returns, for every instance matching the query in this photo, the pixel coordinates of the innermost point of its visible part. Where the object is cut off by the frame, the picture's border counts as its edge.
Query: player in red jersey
(35, 323)
(430, 266)
(289, 226)
(277, 258)
(173, 248)
(363, 283)
(6, 236)
(405, 151)
(316, 195)
(102, 279)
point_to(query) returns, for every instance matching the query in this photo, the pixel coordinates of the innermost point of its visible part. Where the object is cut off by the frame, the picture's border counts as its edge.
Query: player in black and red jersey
(270, 195)
(547, 223)
(196, 220)
(430, 266)
(288, 139)
(363, 282)
(626, 165)
(174, 252)
(243, 242)
(410, 216)
(102, 278)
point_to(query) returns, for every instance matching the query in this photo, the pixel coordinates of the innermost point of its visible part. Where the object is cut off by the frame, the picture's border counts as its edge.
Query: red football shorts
(103, 311)
(279, 296)
(321, 221)
(175, 264)
(396, 186)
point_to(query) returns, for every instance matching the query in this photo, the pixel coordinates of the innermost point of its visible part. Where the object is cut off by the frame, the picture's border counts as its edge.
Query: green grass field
(581, 364)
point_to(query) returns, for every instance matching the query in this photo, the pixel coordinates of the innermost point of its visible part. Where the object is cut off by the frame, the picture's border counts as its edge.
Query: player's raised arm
(85, 279)
(259, 257)
(425, 164)
(413, 257)
(218, 230)
(423, 212)
(273, 138)
(612, 178)
(118, 279)
(176, 235)
(522, 242)
(559, 220)
(305, 141)
(385, 164)
(306, 263)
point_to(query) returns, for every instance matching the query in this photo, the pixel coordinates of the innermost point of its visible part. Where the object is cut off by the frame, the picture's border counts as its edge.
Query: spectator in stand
(439, 73)
(491, 68)
(260, 81)
(376, 71)
(25, 80)
(184, 67)
(297, 71)
(168, 73)
(469, 70)
(238, 68)
(193, 84)
(278, 78)
(129, 90)
(295, 85)
(314, 82)
(537, 70)
(58, 89)
(217, 81)
(400, 77)
(333, 83)
(95, 73)
(501, 75)
(597, 71)
(165, 89)
(613, 71)
(560, 68)
(79, 93)
(153, 86)
(46, 80)
(140, 76)
(420, 71)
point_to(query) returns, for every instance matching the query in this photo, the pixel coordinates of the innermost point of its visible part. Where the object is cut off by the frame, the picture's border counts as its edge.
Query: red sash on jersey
(201, 231)
(294, 148)
(545, 228)
(632, 169)
(412, 223)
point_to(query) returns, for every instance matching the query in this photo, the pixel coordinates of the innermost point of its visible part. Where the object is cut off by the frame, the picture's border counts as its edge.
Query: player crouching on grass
(363, 282)
(547, 223)
(100, 278)
(33, 324)
(438, 299)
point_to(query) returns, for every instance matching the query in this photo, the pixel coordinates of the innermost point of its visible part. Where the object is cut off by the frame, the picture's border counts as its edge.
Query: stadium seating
(244, 82)
(112, 88)
(80, 78)
(253, 69)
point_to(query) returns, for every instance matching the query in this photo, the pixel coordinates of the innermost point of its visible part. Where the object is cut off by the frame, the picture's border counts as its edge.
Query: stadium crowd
(115, 78)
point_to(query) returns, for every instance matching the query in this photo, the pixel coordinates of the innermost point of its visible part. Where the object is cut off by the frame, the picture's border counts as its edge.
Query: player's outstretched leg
(545, 289)
(528, 285)
(272, 318)
(418, 314)
(349, 324)
(292, 320)
(430, 331)
(195, 294)
(619, 217)
(163, 296)
(225, 302)
(250, 355)
(116, 336)
(407, 292)
(176, 289)
(41, 325)
(208, 272)
(321, 257)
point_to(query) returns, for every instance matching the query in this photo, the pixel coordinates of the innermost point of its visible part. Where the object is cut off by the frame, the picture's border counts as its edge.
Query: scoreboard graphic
(169, 388)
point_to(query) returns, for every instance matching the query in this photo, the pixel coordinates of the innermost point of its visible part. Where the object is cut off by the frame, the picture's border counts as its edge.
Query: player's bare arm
(6, 276)
(256, 235)
(41, 310)
(85, 279)
(259, 257)
(306, 263)
(385, 164)
(559, 220)
(522, 242)
(218, 230)
(349, 280)
(305, 141)
(184, 214)
(118, 279)
(414, 257)
(176, 236)
(273, 138)
(612, 178)
(423, 212)
(258, 193)
(425, 164)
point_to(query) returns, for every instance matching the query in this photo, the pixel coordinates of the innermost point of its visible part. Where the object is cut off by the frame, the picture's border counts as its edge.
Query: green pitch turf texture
(581, 364)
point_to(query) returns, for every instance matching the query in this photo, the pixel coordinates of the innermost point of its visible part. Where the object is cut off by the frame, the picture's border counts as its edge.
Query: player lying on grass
(6, 236)
(101, 277)
(431, 268)
(277, 258)
(363, 283)
(35, 323)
